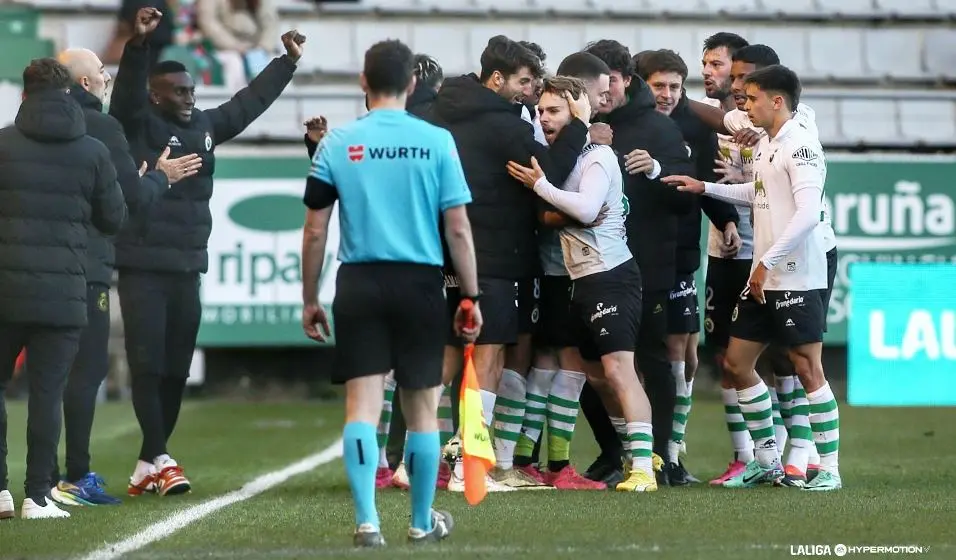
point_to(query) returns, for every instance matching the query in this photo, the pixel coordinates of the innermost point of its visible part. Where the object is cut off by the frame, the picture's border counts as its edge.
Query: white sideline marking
(181, 519)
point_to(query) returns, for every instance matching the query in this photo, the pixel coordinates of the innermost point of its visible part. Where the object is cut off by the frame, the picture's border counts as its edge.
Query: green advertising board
(884, 209)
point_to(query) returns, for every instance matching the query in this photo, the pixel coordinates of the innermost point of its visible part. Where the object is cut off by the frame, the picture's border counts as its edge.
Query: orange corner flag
(477, 454)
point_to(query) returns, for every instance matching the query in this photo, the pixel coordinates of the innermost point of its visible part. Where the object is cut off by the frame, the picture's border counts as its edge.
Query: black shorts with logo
(499, 311)
(389, 316)
(683, 309)
(608, 308)
(789, 318)
(528, 299)
(726, 279)
(557, 326)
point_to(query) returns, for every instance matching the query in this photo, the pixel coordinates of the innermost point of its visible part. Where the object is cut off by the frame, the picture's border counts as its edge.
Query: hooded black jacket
(652, 224)
(489, 133)
(173, 235)
(54, 182)
(702, 141)
(138, 192)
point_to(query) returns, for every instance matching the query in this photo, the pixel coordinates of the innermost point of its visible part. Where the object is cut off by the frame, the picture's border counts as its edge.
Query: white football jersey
(737, 120)
(742, 159)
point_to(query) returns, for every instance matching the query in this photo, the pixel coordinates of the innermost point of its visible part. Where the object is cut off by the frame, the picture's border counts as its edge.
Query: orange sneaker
(171, 481)
(145, 486)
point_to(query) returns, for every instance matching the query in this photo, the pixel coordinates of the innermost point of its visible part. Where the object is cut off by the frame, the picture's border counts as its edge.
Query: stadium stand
(879, 73)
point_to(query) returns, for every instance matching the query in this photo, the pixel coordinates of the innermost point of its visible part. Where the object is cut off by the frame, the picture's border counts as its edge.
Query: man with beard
(652, 236)
(479, 112)
(665, 73)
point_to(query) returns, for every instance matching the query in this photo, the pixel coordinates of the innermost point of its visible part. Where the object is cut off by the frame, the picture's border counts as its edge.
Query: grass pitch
(897, 467)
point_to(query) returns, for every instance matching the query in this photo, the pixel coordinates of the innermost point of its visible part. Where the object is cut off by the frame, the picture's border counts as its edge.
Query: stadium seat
(18, 22)
(572, 7)
(458, 6)
(22, 50)
(507, 7)
(331, 46)
(626, 7)
(733, 7)
(827, 118)
(437, 40)
(679, 38)
(869, 121)
(848, 8)
(479, 33)
(789, 44)
(704, 30)
(797, 8)
(908, 8)
(836, 53)
(677, 7)
(946, 7)
(557, 41)
(338, 110)
(281, 120)
(929, 121)
(940, 53)
(894, 53)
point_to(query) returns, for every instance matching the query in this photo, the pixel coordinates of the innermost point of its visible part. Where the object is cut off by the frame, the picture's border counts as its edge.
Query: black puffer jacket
(173, 235)
(653, 221)
(489, 133)
(139, 193)
(54, 183)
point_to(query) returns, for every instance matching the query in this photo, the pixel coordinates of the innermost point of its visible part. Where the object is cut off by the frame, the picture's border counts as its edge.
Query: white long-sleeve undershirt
(583, 205)
(739, 193)
(804, 220)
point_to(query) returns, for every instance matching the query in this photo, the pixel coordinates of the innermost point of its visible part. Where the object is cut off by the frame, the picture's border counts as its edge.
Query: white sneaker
(6, 505)
(31, 510)
(457, 481)
(400, 478)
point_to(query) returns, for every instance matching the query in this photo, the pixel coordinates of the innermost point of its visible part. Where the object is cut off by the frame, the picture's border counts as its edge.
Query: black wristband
(474, 298)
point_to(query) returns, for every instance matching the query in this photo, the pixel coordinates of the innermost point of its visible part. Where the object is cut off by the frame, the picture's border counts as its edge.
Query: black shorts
(608, 308)
(557, 326)
(389, 316)
(832, 263)
(788, 318)
(683, 309)
(528, 299)
(499, 312)
(726, 278)
(654, 318)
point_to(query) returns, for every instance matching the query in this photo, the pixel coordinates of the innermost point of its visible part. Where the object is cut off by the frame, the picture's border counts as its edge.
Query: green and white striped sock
(739, 436)
(446, 423)
(640, 444)
(535, 412)
(801, 438)
(825, 423)
(779, 428)
(564, 401)
(508, 416)
(681, 408)
(757, 410)
(385, 420)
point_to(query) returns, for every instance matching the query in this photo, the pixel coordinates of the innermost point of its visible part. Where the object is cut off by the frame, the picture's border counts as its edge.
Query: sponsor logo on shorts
(603, 332)
(788, 301)
(687, 312)
(709, 325)
(658, 309)
(684, 291)
(451, 281)
(733, 317)
(602, 311)
(790, 323)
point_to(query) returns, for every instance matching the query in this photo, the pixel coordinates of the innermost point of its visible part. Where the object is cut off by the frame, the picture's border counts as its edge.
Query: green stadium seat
(18, 21)
(19, 53)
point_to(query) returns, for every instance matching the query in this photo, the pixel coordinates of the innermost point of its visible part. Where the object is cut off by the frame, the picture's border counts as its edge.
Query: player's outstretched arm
(130, 100)
(234, 116)
(742, 193)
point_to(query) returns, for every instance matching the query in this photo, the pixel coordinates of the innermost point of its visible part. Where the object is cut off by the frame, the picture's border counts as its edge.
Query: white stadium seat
(907, 8)
(447, 43)
(893, 52)
(836, 53)
(789, 44)
(940, 52)
(869, 120)
(930, 121)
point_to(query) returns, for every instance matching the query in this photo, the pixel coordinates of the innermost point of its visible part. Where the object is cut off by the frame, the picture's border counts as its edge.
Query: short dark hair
(508, 57)
(536, 49)
(777, 79)
(731, 41)
(45, 74)
(583, 65)
(428, 71)
(663, 60)
(760, 56)
(614, 54)
(559, 85)
(389, 67)
(167, 67)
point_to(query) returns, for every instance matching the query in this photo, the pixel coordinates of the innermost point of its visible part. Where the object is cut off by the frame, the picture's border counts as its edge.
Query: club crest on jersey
(759, 189)
(208, 142)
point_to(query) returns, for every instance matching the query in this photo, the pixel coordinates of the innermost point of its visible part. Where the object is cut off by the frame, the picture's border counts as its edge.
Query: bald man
(81, 486)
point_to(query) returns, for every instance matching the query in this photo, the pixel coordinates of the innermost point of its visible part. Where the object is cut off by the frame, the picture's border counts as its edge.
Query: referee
(393, 174)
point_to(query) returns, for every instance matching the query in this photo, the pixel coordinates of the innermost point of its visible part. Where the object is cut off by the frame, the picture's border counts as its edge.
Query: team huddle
(586, 192)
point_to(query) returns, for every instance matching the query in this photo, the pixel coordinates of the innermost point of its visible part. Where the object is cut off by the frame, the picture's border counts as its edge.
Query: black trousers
(50, 353)
(89, 370)
(161, 314)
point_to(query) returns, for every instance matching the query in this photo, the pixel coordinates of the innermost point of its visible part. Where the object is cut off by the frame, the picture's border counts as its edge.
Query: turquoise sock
(422, 452)
(361, 459)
